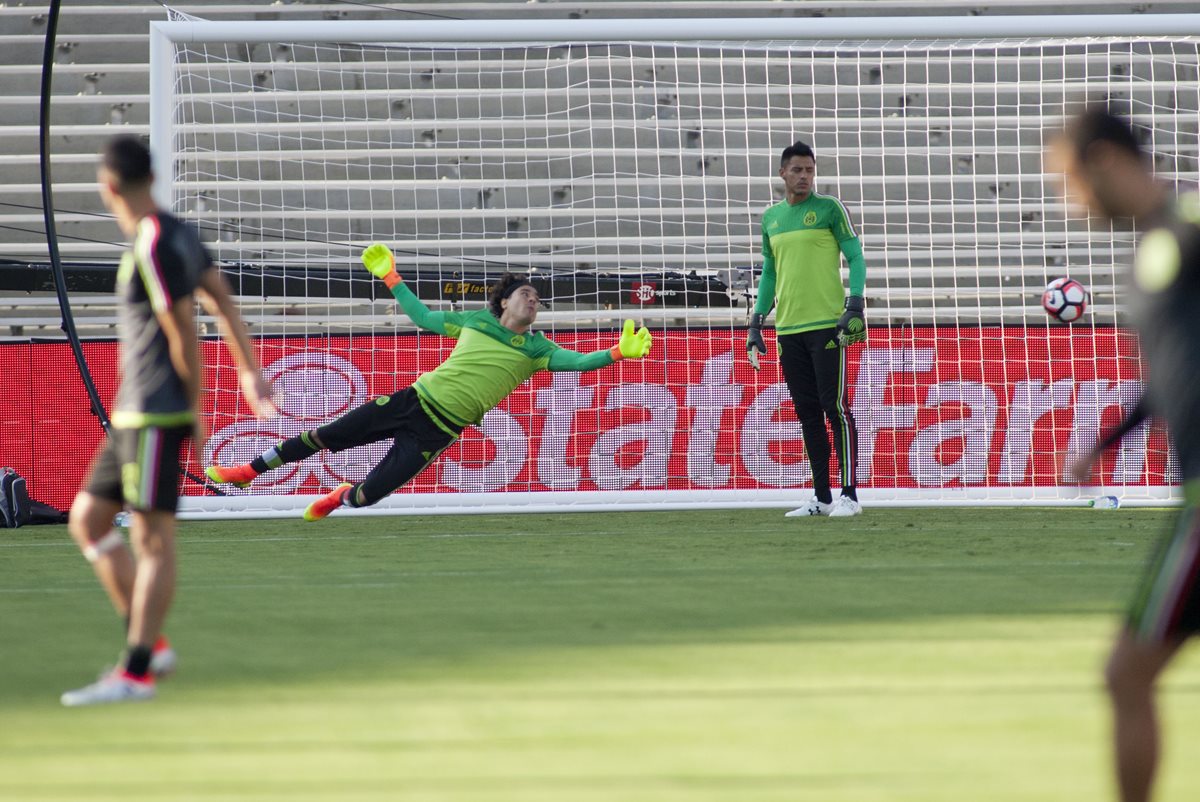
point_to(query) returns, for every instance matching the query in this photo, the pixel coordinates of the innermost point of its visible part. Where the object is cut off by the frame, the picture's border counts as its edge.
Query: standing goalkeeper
(803, 239)
(496, 352)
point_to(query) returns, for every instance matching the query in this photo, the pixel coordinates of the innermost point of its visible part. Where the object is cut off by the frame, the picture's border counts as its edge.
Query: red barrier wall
(936, 407)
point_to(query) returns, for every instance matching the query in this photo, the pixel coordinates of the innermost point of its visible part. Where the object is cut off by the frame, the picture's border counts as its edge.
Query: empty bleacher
(636, 160)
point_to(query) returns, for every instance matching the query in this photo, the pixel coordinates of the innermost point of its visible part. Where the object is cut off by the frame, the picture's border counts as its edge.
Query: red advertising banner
(935, 408)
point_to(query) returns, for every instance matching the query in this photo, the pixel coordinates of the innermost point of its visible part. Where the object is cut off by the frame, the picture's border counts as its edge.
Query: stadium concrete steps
(101, 88)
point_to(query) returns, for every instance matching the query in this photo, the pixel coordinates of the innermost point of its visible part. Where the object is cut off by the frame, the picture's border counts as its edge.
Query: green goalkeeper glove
(755, 344)
(379, 260)
(852, 325)
(632, 345)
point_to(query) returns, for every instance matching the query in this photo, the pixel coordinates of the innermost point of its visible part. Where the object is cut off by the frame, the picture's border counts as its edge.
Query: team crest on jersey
(810, 219)
(517, 341)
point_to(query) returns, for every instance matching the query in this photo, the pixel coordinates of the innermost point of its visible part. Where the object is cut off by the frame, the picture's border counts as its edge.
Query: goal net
(625, 170)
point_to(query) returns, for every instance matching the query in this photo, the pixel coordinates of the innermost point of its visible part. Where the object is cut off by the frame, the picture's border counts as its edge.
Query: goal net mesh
(628, 180)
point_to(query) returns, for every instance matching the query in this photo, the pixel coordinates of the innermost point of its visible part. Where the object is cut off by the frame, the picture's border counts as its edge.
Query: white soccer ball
(1065, 299)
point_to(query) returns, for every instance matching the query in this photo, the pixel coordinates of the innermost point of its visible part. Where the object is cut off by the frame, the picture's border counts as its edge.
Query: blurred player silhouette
(155, 413)
(1108, 172)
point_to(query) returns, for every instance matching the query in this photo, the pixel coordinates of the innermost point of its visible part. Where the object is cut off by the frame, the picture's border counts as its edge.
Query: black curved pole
(60, 280)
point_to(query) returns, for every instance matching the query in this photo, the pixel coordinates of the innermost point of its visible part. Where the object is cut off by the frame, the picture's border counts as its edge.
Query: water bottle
(1105, 503)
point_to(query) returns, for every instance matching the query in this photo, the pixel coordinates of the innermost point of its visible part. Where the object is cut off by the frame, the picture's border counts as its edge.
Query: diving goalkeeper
(495, 353)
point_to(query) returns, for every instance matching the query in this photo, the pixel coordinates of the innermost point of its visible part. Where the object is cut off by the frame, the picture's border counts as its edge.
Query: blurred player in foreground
(496, 351)
(1108, 172)
(156, 411)
(804, 237)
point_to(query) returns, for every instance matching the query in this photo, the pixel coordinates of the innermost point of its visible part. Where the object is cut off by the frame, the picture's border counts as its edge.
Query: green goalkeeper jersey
(488, 362)
(802, 247)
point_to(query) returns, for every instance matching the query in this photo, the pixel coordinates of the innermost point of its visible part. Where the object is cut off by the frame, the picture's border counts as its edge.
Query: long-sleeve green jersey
(802, 248)
(488, 362)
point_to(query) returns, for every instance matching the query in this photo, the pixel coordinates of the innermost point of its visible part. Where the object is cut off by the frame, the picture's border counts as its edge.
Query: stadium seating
(101, 85)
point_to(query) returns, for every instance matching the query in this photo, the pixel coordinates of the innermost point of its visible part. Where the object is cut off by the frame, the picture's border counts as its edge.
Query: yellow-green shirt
(488, 362)
(802, 247)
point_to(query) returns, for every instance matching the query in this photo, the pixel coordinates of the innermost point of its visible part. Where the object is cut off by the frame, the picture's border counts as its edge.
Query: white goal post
(625, 165)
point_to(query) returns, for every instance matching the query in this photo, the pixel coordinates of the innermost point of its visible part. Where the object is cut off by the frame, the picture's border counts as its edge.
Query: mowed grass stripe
(911, 655)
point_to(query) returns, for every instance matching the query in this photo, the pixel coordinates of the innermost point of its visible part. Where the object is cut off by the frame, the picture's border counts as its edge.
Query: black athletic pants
(420, 436)
(814, 367)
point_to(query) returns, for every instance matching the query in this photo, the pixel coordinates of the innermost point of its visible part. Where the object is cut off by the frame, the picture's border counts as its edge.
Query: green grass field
(919, 655)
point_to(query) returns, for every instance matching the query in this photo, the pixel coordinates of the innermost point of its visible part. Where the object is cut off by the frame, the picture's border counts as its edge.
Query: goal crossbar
(677, 30)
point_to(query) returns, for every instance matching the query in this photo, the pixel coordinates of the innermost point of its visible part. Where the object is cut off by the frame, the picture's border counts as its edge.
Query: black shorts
(1167, 603)
(139, 468)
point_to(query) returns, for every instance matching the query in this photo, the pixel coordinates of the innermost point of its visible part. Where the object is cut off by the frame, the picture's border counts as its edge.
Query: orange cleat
(236, 475)
(327, 503)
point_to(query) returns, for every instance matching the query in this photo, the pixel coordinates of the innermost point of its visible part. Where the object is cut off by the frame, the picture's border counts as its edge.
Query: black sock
(850, 493)
(825, 497)
(291, 450)
(137, 662)
(351, 497)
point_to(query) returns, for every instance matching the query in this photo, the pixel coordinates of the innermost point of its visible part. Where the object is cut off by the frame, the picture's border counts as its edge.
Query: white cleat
(813, 507)
(116, 687)
(844, 507)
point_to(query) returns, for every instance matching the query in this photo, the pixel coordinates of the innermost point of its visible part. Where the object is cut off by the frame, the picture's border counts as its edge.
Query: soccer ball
(1065, 299)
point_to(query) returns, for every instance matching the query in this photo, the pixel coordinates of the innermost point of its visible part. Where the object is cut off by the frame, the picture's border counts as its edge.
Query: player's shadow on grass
(402, 596)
